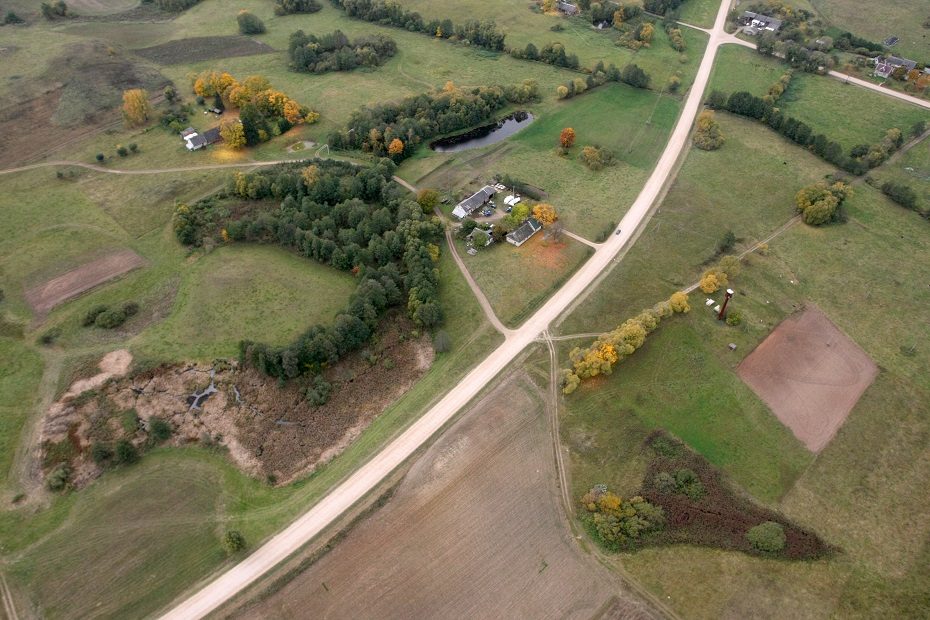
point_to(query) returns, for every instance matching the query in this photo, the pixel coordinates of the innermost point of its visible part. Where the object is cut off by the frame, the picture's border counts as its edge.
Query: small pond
(483, 136)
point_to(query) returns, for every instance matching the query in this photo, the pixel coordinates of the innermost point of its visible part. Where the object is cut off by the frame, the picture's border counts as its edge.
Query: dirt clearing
(202, 48)
(810, 374)
(475, 530)
(46, 296)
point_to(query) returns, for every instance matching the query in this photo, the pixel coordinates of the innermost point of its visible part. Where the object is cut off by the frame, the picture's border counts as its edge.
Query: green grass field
(699, 12)
(902, 19)
(912, 169)
(19, 382)
(682, 380)
(816, 100)
(518, 280)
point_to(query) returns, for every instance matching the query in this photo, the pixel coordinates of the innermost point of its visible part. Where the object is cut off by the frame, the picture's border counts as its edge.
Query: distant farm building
(473, 202)
(886, 66)
(567, 7)
(194, 141)
(526, 230)
(754, 23)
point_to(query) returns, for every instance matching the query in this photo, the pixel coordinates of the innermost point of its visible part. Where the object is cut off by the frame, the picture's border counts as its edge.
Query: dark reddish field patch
(196, 49)
(720, 517)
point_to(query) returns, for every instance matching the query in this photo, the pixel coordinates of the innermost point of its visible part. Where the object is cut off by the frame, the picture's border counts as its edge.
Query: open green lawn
(902, 18)
(251, 292)
(518, 280)
(633, 123)
(699, 12)
(20, 373)
(865, 491)
(911, 169)
(844, 113)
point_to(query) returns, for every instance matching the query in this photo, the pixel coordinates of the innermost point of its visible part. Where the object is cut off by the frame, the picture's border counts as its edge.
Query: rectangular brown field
(70, 284)
(810, 374)
(475, 530)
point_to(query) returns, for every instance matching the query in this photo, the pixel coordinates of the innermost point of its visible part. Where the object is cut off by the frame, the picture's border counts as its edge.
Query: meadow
(847, 114)
(902, 19)
(683, 380)
(911, 169)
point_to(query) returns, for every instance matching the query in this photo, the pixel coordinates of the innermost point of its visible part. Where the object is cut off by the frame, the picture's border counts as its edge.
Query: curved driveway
(367, 477)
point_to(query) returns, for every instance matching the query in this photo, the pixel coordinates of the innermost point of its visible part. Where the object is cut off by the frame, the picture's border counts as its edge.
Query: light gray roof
(526, 230)
(474, 201)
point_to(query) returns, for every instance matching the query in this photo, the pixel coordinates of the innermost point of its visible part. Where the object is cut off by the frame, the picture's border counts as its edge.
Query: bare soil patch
(269, 431)
(49, 294)
(196, 49)
(810, 374)
(475, 530)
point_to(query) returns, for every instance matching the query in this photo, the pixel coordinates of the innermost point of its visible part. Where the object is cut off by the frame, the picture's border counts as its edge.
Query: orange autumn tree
(545, 213)
(396, 147)
(567, 138)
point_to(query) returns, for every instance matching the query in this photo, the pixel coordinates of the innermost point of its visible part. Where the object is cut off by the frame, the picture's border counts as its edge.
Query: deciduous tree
(396, 147)
(232, 133)
(567, 138)
(136, 106)
(679, 302)
(545, 213)
(708, 136)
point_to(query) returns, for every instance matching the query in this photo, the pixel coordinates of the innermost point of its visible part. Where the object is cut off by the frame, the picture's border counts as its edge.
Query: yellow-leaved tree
(396, 147)
(545, 213)
(232, 133)
(136, 106)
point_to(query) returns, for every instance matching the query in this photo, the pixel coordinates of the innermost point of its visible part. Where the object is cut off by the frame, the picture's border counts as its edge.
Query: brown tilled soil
(475, 530)
(269, 431)
(47, 295)
(810, 374)
(202, 48)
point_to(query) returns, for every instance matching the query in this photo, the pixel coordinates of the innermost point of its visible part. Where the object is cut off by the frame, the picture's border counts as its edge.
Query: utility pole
(723, 308)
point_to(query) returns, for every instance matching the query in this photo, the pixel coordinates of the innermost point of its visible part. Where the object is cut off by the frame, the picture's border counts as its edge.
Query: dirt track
(810, 374)
(475, 530)
(46, 296)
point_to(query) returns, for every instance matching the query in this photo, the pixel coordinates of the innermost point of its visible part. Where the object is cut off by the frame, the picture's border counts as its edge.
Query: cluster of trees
(55, 10)
(334, 52)
(857, 162)
(675, 38)
(635, 32)
(263, 111)
(596, 157)
(683, 481)
(614, 346)
(353, 219)
(720, 274)
(249, 23)
(901, 194)
(778, 89)
(796, 54)
(631, 74)
(397, 128)
(661, 7)
(620, 523)
(551, 54)
(707, 135)
(820, 203)
(481, 34)
(106, 317)
(288, 7)
(849, 41)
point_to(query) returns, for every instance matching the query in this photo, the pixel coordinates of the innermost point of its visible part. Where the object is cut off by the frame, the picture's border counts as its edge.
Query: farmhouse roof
(526, 230)
(894, 61)
(465, 208)
(188, 132)
(212, 136)
(196, 141)
(567, 7)
(760, 21)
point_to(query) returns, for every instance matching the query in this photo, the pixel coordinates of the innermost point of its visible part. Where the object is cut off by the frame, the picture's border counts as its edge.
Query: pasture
(816, 100)
(902, 18)
(684, 380)
(911, 169)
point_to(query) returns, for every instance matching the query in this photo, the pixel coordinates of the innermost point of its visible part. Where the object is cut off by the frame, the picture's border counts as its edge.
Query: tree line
(473, 32)
(289, 7)
(859, 159)
(397, 128)
(353, 219)
(334, 51)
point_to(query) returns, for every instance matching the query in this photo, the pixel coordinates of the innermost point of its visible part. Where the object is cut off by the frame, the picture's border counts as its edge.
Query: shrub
(595, 157)
(130, 308)
(130, 421)
(125, 453)
(442, 343)
(100, 157)
(91, 317)
(12, 18)
(58, 478)
(110, 319)
(233, 541)
(768, 537)
(133, 147)
(734, 319)
(159, 430)
(901, 194)
(288, 7)
(122, 151)
(101, 453)
(249, 23)
(50, 336)
(319, 391)
(200, 100)
(726, 243)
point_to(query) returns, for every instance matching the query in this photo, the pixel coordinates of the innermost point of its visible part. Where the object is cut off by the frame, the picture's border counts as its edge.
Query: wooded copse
(404, 125)
(612, 347)
(353, 219)
(334, 51)
(481, 34)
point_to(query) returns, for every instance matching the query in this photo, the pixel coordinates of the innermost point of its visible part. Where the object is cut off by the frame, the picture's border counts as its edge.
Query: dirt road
(311, 523)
